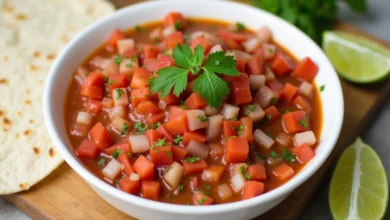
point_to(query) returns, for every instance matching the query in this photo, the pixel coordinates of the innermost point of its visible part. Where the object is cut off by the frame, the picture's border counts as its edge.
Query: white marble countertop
(377, 22)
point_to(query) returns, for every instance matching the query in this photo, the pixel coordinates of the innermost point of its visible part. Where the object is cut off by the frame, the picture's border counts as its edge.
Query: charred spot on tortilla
(28, 91)
(27, 102)
(50, 56)
(6, 121)
(27, 132)
(21, 17)
(5, 129)
(33, 67)
(3, 81)
(23, 186)
(1, 112)
(5, 58)
(51, 152)
(31, 121)
(19, 113)
(17, 135)
(36, 150)
(37, 54)
(8, 8)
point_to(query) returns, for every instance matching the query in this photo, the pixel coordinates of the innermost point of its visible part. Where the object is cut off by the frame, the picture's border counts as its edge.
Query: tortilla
(32, 34)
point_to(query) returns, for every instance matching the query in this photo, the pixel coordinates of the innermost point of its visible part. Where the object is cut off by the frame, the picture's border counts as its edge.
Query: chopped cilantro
(155, 39)
(116, 182)
(239, 129)
(202, 118)
(110, 82)
(133, 58)
(178, 139)
(159, 143)
(129, 65)
(105, 79)
(288, 156)
(202, 200)
(124, 129)
(322, 88)
(240, 26)
(183, 106)
(156, 125)
(140, 127)
(129, 154)
(242, 170)
(272, 101)
(169, 153)
(270, 135)
(101, 162)
(140, 29)
(116, 153)
(181, 187)
(178, 25)
(267, 118)
(248, 176)
(271, 50)
(274, 155)
(303, 123)
(206, 189)
(119, 93)
(249, 109)
(118, 59)
(233, 119)
(192, 159)
(288, 110)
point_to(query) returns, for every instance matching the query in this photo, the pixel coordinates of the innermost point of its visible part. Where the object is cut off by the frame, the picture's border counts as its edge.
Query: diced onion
(169, 30)
(211, 111)
(283, 139)
(156, 34)
(139, 143)
(257, 114)
(128, 66)
(263, 139)
(120, 97)
(79, 79)
(119, 110)
(242, 55)
(269, 75)
(224, 191)
(173, 175)
(251, 45)
(100, 62)
(216, 48)
(264, 34)
(82, 72)
(119, 123)
(256, 81)
(84, 118)
(124, 45)
(194, 120)
(238, 182)
(306, 89)
(163, 105)
(214, 128)
(134, 177)
(264, 96)
(229, 111)
(107, 102)
(111, 68)
(269, 51)
(198, 149)
(112, 169)
(210, 38)
(236, 168)
(306, 137)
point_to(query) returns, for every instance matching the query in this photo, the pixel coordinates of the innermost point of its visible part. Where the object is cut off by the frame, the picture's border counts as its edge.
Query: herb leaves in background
(311, 16)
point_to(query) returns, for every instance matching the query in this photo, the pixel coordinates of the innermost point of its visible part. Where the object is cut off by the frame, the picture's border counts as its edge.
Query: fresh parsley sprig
(209, 85)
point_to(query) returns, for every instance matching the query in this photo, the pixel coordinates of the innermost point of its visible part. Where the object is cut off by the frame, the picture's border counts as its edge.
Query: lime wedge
(356, 58)
(358, 189)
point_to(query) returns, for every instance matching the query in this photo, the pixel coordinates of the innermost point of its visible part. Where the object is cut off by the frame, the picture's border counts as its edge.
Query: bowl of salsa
(188, 109)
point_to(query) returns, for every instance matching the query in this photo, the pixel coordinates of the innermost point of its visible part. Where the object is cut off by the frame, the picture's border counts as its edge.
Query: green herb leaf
(118, 59)
(156, 125)
(239, 129)
(159, 143)
(240, 26)
(183, 106)
(192, 159)
(178, 25)
(274, 155)
(202, 200)
(101, 162)
(168, 78)
(181, 188)
(119, 93)
(202, 118)
(116, 153)
(357, 5)
(217, 62)
(270, 135)
(288, 156)
(140, 127)
(178, 139)
(266, 119)
(206, 189)
(303, 123)
(124, 129)
(272, 101)
(248, 177)
(322, 88)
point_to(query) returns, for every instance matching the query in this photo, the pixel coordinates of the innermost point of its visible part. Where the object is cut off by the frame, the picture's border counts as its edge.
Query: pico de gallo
(194, 111)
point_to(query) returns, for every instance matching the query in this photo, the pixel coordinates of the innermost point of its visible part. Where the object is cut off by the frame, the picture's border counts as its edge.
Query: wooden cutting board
(64, 195)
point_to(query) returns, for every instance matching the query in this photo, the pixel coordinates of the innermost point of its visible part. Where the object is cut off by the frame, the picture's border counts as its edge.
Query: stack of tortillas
(32, 33)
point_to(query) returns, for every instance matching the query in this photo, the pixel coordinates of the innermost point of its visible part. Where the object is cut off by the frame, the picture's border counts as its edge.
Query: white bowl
(86, 42)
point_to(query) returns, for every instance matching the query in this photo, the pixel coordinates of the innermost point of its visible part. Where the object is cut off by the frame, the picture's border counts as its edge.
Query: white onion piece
(128, 66)
(111, 68)
(100, 62)
(257, 114)
(169, 30)
(193, 120)
(82, 72)
(306, 137)
(306, 89)
(251, 45)
(139, 143)
(119, 123)
(215, 48)
(84, 118)
(198, 149)
(112, 169)
(163, 105)
(173, 175)
(156, 33)
(210, 38)
(120, 97)
(264, 34)
(256, 81)
(269, 75)
(269, 51)
(231, 53)
(242, 55)
(79, 79)
(236, 168)
(134, 177)
(283, 139)
(224, 191)
(211, 111)
(238, 182)
(107, 102)
(274, 161)
(119, 110)
(124, 45)
(229, 111)
(264, 96)
(263, 139)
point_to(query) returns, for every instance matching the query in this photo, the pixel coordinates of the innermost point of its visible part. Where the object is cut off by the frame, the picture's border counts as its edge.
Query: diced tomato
(125, 161)
(201, 199)
(170, 99)
(140, 78)
(153, 135)
(94, 106)
(230, 127)
(178, 125)
(125, 147)
(154, 118)
(175, 18)
(289, 92)
(255, 65)
(283, 172)
(228, 35)
(236, 150)
(144, 167)
(88, 149)
(150, 189)
(257, 172)
(252, 189)
(151, 51)
(202, 42)
(150, 65)
(191, 168)
(179, 153)
(129, 186)
(147, 107)
(306, 69)
(240, 90)
(304, 153)
(166, 133)
(302, 103)
(164, 61)
(94, 79)
(280, 65)
(130, 53)
(139, 95)
(232, 45)
(194, 101)
(247, 125)
(115, 36)
(175, 111)
(294, 122)
(93, 92)
(195, 182)
(100, 136)
(213, 173)
(193, 135)
(161, 155)
(240, 65)
(272, 113)
(175, 39)
(116, 81)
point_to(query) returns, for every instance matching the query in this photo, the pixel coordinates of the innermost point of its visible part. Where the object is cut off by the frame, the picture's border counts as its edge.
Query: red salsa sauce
(177, 148)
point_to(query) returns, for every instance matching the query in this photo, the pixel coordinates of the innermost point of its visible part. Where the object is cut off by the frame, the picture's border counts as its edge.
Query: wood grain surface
(64, 195)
